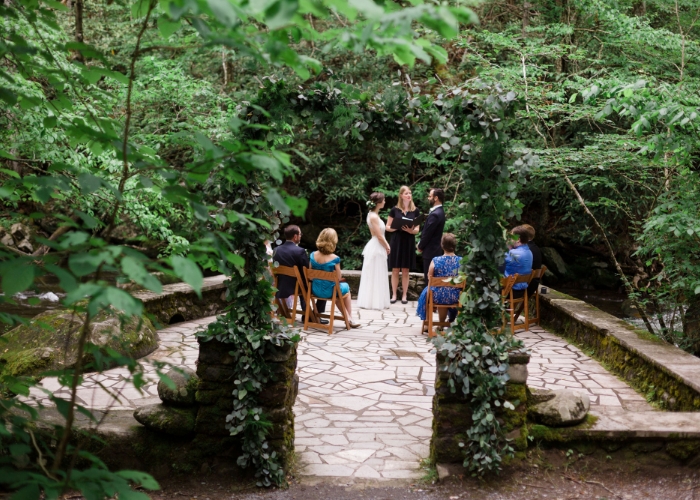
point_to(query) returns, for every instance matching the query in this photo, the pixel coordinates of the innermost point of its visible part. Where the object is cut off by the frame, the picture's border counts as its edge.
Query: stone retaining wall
(179, 302)
(452, 414)
(125, 444)
(664, 372)
(214, 396)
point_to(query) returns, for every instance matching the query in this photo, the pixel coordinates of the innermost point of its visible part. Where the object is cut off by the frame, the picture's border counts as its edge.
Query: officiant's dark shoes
(393, 301)
(404, 301)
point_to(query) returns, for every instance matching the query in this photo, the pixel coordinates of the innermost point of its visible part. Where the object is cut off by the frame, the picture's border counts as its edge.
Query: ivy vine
(475, 354)
(247, 324)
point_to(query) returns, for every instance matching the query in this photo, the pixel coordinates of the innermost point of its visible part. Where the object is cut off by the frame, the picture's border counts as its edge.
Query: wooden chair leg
(308, 312)
(430, 312)
(512, 316)
(332, 316)
(526, 308)
(294, 310)
(344, 311)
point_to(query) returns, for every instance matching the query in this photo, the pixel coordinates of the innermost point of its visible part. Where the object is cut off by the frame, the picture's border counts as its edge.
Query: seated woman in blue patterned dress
(325, 260)
(442, 266)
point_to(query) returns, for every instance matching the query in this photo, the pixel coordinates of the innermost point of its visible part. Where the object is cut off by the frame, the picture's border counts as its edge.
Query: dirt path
(549, 475)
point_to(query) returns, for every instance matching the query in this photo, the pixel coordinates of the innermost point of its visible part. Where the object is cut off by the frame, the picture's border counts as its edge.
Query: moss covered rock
(50, 341)
(167, 419)
(186, 383)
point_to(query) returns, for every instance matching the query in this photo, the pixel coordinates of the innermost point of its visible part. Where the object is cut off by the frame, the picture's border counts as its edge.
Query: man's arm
(428, 230)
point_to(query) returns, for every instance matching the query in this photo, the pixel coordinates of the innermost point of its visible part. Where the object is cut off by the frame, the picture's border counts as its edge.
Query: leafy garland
(247, 325)
(476, 357)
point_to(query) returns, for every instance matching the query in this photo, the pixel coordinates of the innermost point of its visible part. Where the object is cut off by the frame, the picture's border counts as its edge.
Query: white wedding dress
(374, 282)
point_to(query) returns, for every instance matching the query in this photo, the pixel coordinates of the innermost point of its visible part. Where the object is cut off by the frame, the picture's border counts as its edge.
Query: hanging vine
(475, 354)
(247, 324)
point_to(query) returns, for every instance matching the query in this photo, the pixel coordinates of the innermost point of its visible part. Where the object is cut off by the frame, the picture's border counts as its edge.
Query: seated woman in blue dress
(325, 260)
(442, 266)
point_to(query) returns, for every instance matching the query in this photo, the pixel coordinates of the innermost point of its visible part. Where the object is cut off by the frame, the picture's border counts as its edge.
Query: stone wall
(452, 414)
(193, 438)
(664, 372)
(179, 302)
(215, 400)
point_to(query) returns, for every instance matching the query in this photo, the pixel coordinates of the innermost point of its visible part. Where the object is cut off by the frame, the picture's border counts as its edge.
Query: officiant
(403, 242)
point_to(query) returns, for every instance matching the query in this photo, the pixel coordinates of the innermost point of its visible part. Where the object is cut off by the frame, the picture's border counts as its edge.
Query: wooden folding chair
(336, 298)
(513, 302)
(431, 306)
(282, 308)
(506, 287)
(537, 274)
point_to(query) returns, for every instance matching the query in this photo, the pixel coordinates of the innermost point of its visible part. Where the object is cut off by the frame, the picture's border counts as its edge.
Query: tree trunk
(691, 325)
(79, 37)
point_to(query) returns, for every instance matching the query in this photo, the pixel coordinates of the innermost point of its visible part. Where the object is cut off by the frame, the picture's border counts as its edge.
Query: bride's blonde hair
(399, 204)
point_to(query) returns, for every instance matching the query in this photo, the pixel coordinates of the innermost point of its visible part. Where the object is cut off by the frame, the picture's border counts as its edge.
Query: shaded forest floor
(551, 474)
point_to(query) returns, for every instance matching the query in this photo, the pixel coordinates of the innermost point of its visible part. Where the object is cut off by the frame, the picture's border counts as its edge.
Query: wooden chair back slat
(539, 275)
(282, 307)
(336, 299)
(512, 302)
(431, 306)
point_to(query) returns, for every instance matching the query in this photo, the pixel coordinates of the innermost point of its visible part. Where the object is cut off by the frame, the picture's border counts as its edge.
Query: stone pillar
(452, 414)
(215, 400)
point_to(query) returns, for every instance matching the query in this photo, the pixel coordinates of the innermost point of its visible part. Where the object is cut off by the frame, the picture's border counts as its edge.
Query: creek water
(608, 301)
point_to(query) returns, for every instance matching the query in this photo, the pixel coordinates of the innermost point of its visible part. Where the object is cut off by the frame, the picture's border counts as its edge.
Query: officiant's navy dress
(402, 244)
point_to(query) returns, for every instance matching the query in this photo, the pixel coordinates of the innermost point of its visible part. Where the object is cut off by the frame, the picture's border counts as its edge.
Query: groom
(431, 236)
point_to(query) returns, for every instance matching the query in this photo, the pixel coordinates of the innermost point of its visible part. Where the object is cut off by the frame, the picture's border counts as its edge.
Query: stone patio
(364, 408)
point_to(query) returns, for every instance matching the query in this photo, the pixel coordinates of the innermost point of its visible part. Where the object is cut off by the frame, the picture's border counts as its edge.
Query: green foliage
(123, 163)
(476, 350)
(247, 324)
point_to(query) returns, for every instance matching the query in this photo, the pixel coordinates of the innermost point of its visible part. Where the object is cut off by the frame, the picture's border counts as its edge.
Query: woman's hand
(388, 250)
(408, 229)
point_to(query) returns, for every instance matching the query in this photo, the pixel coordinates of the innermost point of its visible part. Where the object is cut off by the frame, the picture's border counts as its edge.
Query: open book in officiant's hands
(402, 221)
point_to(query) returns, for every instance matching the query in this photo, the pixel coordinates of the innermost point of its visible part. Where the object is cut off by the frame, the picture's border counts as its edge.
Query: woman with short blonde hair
(327, 241)
(325, 260)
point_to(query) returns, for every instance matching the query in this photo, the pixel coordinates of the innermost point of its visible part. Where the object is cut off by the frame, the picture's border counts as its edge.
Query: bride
(374, 281)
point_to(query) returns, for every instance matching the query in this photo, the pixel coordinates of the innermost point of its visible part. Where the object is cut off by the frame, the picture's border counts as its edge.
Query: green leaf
(298, 206)
(50, 122)
(140, 478)
(119, 299)
(140, 8)
(83, 264)
(56, 5)
(367, 8)
(66, 279)
(280, 13)
(89, 183)
(8, 96)
(189, 272)
(224, 12)
(29, 492)
(17, 276)
(136, 270)
(166, 26)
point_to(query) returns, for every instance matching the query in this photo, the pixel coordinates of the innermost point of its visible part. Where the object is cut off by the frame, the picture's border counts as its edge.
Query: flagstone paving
(364, 408)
